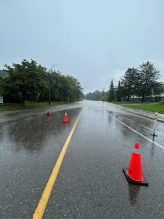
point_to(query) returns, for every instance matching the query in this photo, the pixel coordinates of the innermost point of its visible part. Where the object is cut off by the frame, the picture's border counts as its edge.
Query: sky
(94, 41)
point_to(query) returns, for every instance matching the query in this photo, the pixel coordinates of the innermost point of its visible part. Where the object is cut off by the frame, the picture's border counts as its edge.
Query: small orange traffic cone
(65, 120)
(134, 172)
(48, 113)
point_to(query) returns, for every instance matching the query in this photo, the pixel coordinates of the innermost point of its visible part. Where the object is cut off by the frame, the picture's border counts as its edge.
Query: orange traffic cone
(134, 172)
(65, 120)
(48, 113)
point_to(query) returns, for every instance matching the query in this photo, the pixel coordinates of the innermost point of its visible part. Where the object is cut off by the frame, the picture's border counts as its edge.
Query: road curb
(33, 112)
(143, 113)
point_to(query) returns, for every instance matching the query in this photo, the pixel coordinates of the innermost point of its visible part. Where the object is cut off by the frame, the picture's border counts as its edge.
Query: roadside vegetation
(138, 88)
(18, 106)
(29, 84)
(152, 107)
(97, 95)
(137, 84)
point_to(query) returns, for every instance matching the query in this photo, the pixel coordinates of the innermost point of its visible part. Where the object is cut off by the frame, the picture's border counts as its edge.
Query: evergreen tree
(129, 82)
(111, 95)
(119, 92)
(147, 80)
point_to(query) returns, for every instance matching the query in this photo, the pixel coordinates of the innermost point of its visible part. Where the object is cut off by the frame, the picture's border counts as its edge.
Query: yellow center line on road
(48, 189)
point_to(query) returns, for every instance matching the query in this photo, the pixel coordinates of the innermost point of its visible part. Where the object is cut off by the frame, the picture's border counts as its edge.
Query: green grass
(16, 106)
(151, 107)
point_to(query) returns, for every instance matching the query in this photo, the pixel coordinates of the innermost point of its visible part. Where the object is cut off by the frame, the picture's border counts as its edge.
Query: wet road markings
(160, 146)
(51, 181)
(146, 127)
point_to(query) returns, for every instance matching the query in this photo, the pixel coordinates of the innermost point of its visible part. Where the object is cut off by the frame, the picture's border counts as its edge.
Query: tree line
(29, 81)
(96, 95)
(136, 83)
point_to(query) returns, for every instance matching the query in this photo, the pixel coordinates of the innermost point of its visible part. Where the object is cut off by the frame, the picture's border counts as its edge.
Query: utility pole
(155, 125)
(49, 90)
(103, 95)
(49, 83)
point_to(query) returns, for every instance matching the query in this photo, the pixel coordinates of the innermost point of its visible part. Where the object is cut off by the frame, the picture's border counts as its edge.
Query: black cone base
(143, 183)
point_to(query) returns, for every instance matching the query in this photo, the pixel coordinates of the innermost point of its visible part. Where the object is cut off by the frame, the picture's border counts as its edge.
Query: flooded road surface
(29, 147)
(90, 183)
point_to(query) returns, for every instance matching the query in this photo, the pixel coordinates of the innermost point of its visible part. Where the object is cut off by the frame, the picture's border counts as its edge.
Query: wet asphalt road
(90, 183)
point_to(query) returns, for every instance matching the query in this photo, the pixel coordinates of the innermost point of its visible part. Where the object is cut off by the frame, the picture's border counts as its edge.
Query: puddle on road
(31, 133)
(133, 191)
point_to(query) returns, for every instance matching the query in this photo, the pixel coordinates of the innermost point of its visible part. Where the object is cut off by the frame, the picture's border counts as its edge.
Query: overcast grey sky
(92, 40)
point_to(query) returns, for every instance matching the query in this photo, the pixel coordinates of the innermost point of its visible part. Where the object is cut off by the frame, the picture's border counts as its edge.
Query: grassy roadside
(151, 107)
(16, 106)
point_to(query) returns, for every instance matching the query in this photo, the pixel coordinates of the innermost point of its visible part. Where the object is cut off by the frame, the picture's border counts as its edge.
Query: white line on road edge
(160, 146)
(151, 129)
(145, 127)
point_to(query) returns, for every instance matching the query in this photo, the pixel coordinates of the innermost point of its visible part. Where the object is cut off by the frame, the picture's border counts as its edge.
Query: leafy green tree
(96, 95)
(30, 81)
(147, 79)
(3, 74)
(104, 96)
(1, 86)
(63, 88)
(111, 95)
(55, 85)
(158, 88)
(25, 81)
(74, 91)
